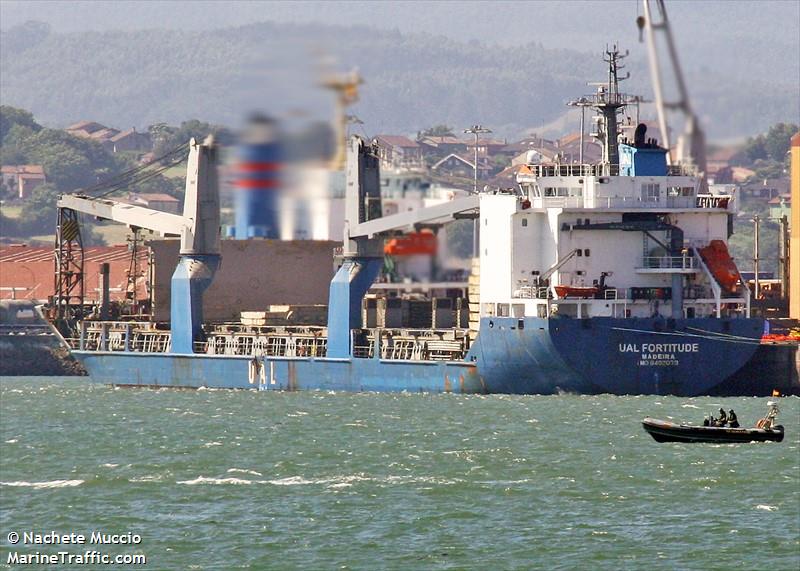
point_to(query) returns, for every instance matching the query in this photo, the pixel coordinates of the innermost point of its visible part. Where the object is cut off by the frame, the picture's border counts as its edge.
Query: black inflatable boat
(665, 431)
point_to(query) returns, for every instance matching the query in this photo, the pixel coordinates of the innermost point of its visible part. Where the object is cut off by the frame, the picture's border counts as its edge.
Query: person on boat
(733, 422)
(723, 418)
(707, 422)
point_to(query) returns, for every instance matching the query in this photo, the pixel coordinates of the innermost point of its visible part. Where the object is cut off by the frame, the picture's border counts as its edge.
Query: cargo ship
(612, 277)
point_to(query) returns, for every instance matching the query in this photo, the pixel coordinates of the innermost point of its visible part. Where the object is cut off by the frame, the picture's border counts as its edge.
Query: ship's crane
(198, 229)
(362, 247)
(691, 144)
(555, 267)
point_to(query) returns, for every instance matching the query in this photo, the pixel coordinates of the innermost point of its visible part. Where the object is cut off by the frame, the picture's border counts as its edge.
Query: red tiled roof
(445, 140)
(123, 134)
(86, 126)
(22, 169)
(397, 141)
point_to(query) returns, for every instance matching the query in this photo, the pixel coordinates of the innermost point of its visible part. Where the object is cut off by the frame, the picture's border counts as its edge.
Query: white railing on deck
(668, 262)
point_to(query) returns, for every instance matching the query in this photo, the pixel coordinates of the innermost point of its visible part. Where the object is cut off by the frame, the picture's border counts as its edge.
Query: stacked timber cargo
(474, 298)
(286, 315)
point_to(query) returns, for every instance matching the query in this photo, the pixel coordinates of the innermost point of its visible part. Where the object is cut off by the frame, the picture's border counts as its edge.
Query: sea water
(321, 480)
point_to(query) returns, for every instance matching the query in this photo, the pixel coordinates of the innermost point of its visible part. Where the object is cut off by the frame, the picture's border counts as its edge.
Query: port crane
(198, 228)
(690, 146)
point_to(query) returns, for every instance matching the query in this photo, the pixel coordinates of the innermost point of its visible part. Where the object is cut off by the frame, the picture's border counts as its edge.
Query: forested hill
(138, 78)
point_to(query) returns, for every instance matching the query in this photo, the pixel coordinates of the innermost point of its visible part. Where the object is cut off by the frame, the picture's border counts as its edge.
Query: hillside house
(719, 164)
(569, 149)
(442, 146)
(781, 206)
(766, 189)
(398, 152)
(131, 140)
(458, 166)
(22, 179)
(85, 129)
(488, 147)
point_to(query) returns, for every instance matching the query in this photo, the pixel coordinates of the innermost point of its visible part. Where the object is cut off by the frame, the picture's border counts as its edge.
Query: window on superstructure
(549, 191)
(502, 310)
(577, 191)
(651, 192)
(524, 221)
(562, 191)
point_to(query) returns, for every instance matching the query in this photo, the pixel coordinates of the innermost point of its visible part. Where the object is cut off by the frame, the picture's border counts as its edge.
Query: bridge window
(651, 192)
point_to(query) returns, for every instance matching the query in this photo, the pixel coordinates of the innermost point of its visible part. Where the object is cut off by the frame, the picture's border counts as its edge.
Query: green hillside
(137, 78)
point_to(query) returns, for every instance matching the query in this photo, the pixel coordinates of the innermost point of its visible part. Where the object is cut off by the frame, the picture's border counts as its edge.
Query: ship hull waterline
(513, 356)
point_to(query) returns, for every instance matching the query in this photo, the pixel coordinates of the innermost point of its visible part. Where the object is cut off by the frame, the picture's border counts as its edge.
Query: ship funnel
(258, 180)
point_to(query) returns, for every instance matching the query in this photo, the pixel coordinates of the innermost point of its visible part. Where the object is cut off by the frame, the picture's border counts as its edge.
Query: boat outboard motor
(769, 419)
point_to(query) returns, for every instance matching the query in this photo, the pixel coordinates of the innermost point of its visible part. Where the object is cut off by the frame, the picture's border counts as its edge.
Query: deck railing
(668, 262)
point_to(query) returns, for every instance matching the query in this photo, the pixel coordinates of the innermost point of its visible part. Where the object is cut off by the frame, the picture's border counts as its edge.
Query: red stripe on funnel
(257, 183)
(259, 167)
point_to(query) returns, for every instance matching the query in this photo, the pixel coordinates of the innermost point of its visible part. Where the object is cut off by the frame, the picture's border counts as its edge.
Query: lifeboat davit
(576, 291)
(410, 244)
(720, 264)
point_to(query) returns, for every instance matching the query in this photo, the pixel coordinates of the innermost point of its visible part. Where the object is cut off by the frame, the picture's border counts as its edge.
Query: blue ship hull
(276, 373)
(520, 356)
(685, 357)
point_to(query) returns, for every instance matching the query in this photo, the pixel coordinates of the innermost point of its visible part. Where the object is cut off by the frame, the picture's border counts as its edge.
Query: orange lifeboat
(576, 291)
(410, 244)
(720, 264)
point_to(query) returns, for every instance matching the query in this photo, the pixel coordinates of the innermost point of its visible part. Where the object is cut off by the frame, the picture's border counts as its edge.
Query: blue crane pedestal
(192, 276)
(347, 291)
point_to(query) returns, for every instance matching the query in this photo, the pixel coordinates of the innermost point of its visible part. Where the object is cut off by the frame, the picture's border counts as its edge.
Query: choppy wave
(243, 471)
(331, 482)
(44, 485)
(216, 481)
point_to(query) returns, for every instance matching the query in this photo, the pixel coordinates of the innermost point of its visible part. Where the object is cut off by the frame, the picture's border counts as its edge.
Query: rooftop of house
(128, 132)
(785, 197)
(487, 143)
(23, 169)
(779, 184)
(443, 140)
(397, 141)
(86, 126)
(529, 143)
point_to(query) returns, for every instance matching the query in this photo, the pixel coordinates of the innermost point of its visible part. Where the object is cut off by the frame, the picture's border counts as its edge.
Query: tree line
(73, 163)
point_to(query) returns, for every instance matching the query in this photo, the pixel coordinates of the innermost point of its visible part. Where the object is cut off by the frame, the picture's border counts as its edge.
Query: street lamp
(476, 225)
(476, 130)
